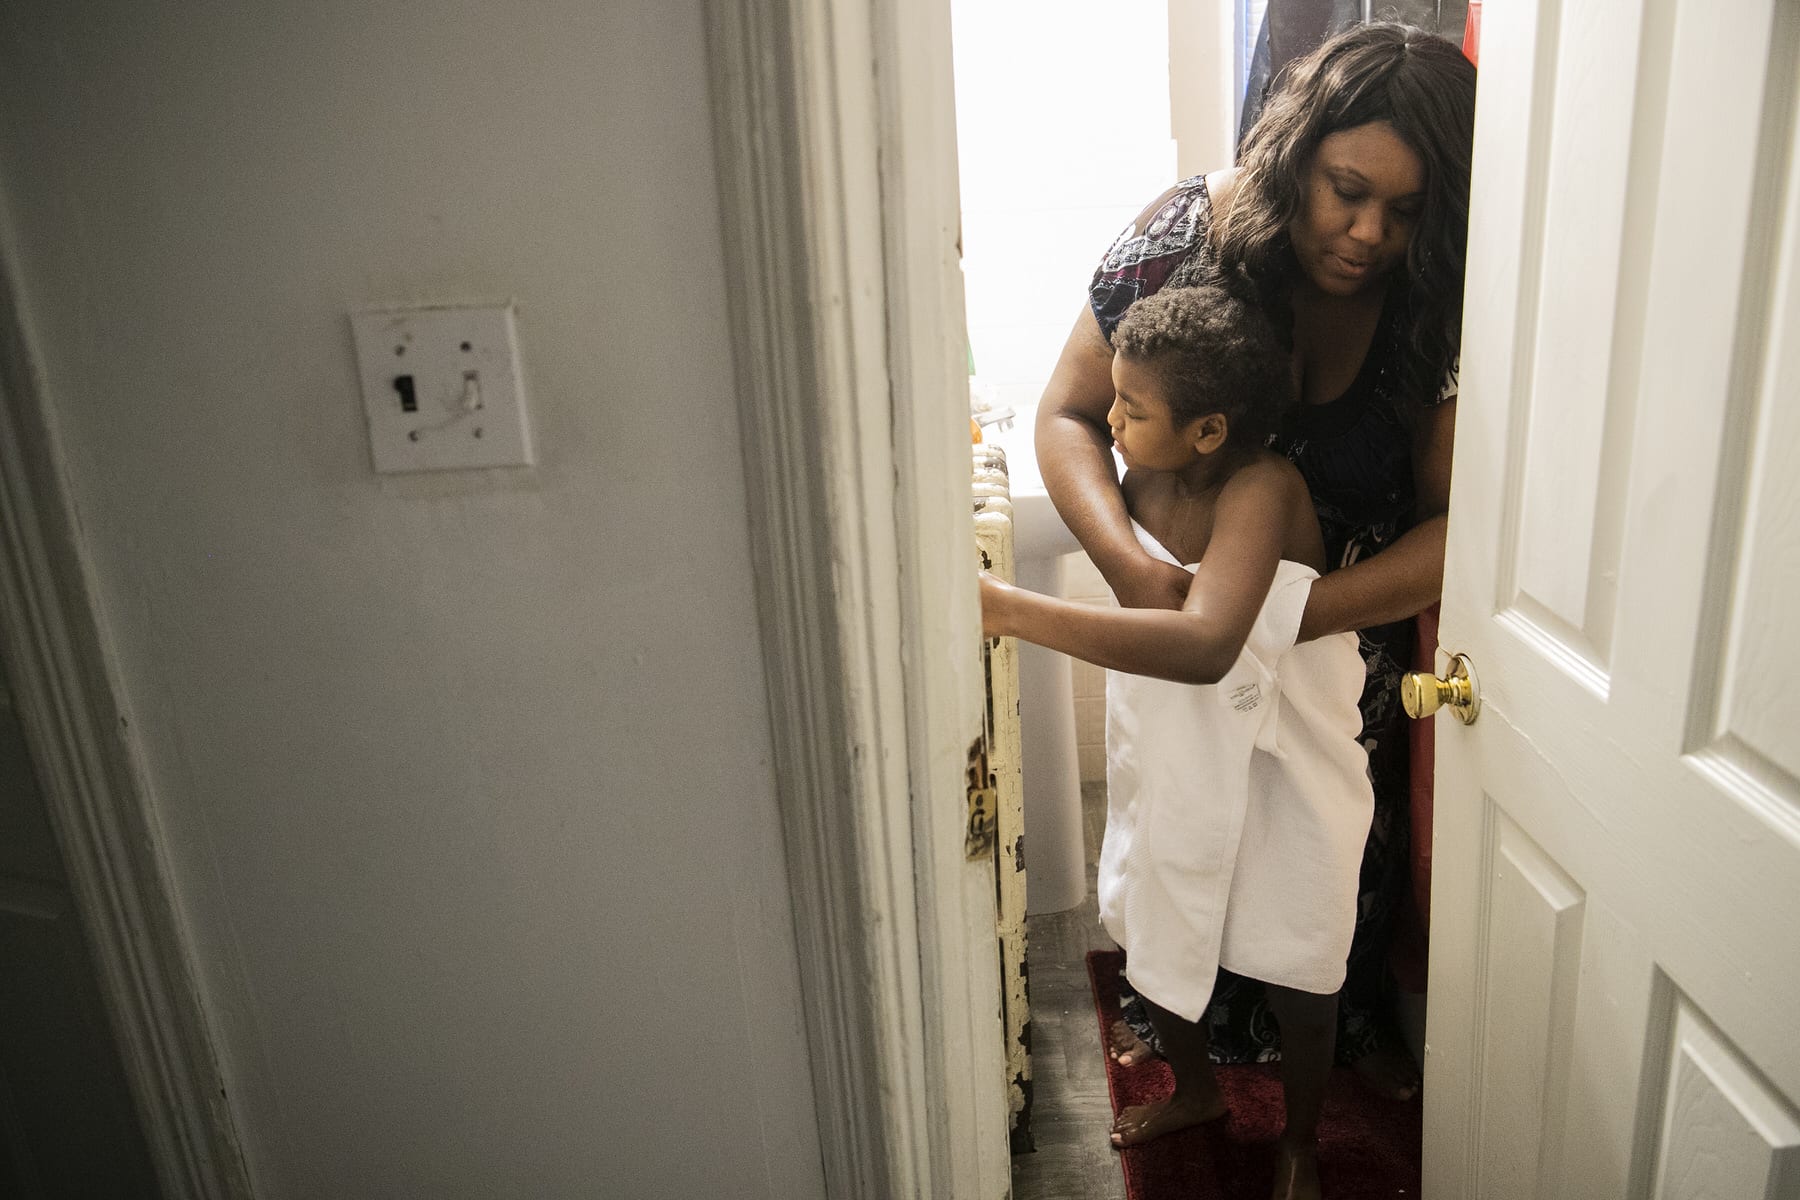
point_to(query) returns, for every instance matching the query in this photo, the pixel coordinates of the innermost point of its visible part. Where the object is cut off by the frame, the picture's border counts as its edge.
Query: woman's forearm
(1185, 647)
(1075, 461)
(1400, 582)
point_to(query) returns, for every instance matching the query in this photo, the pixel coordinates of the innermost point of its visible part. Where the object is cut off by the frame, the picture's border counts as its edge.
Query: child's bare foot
(1142, 1122)
(1389, 1073)
(1296, 1173)
(1125, 1047)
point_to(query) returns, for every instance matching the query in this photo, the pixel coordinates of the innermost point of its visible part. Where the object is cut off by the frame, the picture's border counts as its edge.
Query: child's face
(1144, 430)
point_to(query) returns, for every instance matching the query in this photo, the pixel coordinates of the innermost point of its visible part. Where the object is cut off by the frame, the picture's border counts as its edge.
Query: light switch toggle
(469, 406)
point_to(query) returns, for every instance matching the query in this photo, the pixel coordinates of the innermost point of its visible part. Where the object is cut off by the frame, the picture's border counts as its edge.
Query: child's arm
(1199, 643)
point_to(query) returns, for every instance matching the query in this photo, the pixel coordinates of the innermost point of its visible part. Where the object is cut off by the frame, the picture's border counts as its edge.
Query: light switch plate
(441, 386)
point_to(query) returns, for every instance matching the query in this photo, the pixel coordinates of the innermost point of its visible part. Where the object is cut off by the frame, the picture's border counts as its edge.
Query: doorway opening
(1107, 125)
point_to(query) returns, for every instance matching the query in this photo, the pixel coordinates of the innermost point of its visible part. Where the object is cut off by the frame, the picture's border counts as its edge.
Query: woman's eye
(1347, 197)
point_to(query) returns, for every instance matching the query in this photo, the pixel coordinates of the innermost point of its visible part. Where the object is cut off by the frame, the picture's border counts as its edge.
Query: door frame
(834, 128)
(66, 689)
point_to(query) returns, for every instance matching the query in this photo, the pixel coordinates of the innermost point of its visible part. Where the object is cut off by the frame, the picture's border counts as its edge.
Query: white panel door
(1615, 987)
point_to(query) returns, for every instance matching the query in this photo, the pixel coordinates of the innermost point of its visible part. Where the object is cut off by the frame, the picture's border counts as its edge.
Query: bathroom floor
(1071, 1112)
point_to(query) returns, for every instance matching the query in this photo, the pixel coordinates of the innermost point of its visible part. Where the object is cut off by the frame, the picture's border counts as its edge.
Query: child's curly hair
(1214, 354)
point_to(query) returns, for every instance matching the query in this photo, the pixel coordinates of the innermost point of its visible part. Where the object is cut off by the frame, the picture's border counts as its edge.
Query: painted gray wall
(465, 781)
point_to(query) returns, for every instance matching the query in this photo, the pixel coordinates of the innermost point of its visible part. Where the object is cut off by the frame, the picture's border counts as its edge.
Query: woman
(1347, 219)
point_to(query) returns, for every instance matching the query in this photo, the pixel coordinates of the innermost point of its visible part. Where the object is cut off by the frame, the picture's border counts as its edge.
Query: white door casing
(1615, 973)
(835, 145)
(64, 684)
(67, 1119)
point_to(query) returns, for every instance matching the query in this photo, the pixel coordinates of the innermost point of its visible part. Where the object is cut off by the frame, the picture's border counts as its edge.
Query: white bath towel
(1237, 811)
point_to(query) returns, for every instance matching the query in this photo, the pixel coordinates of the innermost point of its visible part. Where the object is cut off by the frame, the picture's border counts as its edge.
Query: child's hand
(996, 596)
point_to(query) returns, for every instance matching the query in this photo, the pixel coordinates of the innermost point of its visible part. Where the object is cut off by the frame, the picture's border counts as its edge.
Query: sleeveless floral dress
(1355, 453)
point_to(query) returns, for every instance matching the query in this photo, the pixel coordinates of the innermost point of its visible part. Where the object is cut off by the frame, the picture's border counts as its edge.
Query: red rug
(1368, 1147)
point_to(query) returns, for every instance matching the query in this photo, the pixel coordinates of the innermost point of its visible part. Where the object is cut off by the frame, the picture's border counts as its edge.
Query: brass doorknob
(1422, 693)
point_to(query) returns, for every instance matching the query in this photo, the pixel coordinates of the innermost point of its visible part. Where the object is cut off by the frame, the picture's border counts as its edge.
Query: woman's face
(1360, 201)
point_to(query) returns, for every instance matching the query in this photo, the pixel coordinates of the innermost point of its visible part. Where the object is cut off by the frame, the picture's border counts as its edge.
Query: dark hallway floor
(1073, 1160)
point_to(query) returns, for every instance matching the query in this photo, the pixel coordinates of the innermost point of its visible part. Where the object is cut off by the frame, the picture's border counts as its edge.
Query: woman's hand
(996, 606)
(1146, 582)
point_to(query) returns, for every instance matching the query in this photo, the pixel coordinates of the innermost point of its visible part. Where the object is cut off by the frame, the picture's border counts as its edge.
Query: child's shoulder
(1272, 486)
(1268, 476)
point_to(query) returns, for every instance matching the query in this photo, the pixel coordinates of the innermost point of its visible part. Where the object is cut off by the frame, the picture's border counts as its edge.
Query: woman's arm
(1198, 644)
(1407, 577)
(1075, 459)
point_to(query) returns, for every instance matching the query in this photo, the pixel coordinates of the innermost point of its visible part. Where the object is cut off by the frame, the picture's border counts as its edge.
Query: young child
(1237, 794)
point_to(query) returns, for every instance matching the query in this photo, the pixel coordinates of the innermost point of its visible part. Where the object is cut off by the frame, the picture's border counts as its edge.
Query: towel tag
(1246, 697)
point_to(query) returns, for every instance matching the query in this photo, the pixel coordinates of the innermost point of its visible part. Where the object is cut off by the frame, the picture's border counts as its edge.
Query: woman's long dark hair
(1422, 86)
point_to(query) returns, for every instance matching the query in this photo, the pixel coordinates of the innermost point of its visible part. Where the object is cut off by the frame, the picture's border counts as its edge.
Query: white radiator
(998, 786)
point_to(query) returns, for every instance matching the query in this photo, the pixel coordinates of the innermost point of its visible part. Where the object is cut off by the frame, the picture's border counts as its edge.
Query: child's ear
(1209, 432)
